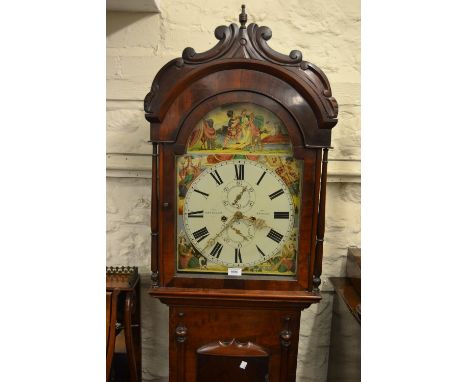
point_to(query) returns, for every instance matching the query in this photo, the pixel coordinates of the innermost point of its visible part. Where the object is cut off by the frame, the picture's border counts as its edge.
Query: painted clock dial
(238, 195)
(238, 213)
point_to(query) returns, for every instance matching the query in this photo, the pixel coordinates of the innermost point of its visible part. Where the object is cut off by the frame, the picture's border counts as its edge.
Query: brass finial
(243, 17)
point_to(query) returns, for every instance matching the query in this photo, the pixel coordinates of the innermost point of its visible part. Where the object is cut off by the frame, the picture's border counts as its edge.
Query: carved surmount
(254, 40)
(259, 37)
(248, 43)
(226, 35)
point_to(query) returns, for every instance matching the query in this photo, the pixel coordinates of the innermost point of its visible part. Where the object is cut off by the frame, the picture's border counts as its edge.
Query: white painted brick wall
(138, 45)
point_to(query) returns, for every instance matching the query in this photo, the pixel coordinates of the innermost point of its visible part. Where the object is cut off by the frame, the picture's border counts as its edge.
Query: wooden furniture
(123, 312)
(111, 321)
(344, 364)
(240, 137)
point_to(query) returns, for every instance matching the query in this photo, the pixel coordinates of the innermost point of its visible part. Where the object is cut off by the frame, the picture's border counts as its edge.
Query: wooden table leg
(111, 338)
(132, 366)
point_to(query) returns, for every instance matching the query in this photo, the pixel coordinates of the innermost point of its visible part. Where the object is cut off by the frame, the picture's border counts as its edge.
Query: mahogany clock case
(168, 152)
(186, 90)
(214, 318)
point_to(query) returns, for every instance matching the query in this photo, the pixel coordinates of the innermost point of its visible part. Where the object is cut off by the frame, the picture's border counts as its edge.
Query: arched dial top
(238, 213)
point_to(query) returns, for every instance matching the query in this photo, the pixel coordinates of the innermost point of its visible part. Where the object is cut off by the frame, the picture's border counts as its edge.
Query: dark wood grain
(235, 297)
(311, 133)
(232, 361)
(211, 324)
(233, 348)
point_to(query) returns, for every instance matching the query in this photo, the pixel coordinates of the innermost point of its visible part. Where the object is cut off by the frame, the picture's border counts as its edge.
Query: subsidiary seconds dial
(238, 213)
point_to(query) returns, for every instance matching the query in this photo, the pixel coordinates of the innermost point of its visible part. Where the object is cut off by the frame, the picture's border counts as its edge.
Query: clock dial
(238, 194)
(238, 213)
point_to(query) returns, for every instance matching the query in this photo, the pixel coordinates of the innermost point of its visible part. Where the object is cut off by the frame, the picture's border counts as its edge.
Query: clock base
(235, 328)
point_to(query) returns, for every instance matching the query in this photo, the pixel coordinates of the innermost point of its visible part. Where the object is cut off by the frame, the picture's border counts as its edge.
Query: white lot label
(243, 365)
(234, 271)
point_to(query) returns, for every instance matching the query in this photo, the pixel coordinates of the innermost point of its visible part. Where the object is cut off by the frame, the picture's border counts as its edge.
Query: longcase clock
(240, 138)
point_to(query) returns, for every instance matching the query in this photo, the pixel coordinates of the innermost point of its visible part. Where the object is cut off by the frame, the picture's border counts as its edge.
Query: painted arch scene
(242, 128)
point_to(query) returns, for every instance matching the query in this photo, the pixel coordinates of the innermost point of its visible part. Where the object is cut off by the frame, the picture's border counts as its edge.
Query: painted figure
(188, 256)
(255, 138)
(185, 251)
(244, 127)
(208, 137)
(186, 176)
(233, 130)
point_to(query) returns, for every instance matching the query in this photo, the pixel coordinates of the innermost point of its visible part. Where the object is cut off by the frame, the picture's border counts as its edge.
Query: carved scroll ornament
(245, 43)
